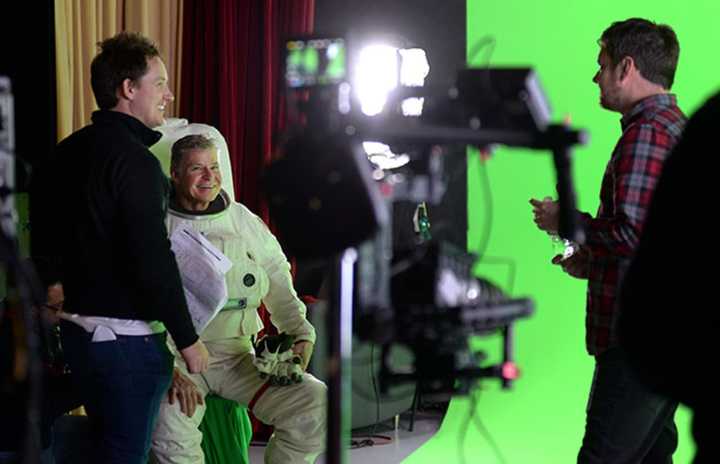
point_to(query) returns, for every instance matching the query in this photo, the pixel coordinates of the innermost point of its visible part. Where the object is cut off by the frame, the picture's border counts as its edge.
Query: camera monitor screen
(313, 62)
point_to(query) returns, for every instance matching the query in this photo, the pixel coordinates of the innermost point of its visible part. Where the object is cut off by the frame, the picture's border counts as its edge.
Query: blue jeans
(626, 421)
(122, 383)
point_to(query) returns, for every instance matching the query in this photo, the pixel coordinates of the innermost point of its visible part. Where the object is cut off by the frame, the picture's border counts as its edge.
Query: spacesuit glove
(275, 360)
(287, 372)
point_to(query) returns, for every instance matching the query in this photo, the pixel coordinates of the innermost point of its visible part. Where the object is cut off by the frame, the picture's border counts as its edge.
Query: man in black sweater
(100, 239)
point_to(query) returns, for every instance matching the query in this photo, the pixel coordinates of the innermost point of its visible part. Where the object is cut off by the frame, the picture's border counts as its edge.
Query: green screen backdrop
(541, 420)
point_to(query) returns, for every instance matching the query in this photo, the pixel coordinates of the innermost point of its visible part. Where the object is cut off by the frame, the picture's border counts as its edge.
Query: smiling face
(197, 179)
(148, 96)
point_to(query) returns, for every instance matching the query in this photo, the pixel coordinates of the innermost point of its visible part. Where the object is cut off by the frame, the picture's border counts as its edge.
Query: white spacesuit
(260, 274)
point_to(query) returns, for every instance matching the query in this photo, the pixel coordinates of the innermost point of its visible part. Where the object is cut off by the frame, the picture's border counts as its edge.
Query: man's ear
(627, 67)
(127, 90)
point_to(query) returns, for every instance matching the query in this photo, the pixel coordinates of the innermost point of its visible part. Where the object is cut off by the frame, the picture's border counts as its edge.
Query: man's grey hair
(187, 144)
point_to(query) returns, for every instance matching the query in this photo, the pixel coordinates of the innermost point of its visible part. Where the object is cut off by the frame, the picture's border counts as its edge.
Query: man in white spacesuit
(260, 274)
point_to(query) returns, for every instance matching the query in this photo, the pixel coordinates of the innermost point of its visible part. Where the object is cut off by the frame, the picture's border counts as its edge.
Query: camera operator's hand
(196, 357)
(546, 213)
(185, 392)
(577, 265)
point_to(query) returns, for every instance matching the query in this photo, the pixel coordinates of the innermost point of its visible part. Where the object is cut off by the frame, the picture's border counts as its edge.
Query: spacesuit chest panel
(247, 281)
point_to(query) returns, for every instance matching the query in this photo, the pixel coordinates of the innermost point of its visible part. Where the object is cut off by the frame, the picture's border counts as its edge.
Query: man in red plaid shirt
(626, 421)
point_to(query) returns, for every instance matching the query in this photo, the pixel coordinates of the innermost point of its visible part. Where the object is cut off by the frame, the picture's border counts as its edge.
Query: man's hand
(577, 265)
(304, 349)
(196, 357)
(185, 392)
(546, 214)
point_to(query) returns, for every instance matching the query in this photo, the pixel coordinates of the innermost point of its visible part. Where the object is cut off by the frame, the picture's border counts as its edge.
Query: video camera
(326, 196)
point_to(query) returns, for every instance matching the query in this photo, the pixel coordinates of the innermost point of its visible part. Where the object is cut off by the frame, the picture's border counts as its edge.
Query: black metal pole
(339, 336)
(507, 352)
(568, 226)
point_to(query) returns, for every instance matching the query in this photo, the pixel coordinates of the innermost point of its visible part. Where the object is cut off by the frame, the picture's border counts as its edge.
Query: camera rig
(327, 202)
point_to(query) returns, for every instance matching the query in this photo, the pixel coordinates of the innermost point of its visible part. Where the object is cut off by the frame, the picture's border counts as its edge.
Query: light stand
(339, 375)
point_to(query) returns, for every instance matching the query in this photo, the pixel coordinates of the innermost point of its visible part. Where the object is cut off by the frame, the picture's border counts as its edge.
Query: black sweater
(98, 226)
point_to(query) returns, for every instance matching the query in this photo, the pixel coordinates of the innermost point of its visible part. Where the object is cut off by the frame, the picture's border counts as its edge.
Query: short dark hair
(123, 56)
(186, 144)
(654, 48)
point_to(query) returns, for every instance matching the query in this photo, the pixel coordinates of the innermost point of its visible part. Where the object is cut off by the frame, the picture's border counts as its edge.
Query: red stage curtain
(231, 77)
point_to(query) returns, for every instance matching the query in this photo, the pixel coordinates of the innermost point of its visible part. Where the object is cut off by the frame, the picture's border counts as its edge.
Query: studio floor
(388, 443)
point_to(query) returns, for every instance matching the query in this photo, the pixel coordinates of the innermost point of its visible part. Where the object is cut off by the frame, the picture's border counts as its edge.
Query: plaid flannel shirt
(650, 131)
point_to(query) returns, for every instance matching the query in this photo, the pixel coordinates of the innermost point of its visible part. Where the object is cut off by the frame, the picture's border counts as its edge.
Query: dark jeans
(122, 382)
(626, 421)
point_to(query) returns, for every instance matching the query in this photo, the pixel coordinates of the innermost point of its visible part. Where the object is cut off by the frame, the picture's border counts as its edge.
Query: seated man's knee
(315, 393)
